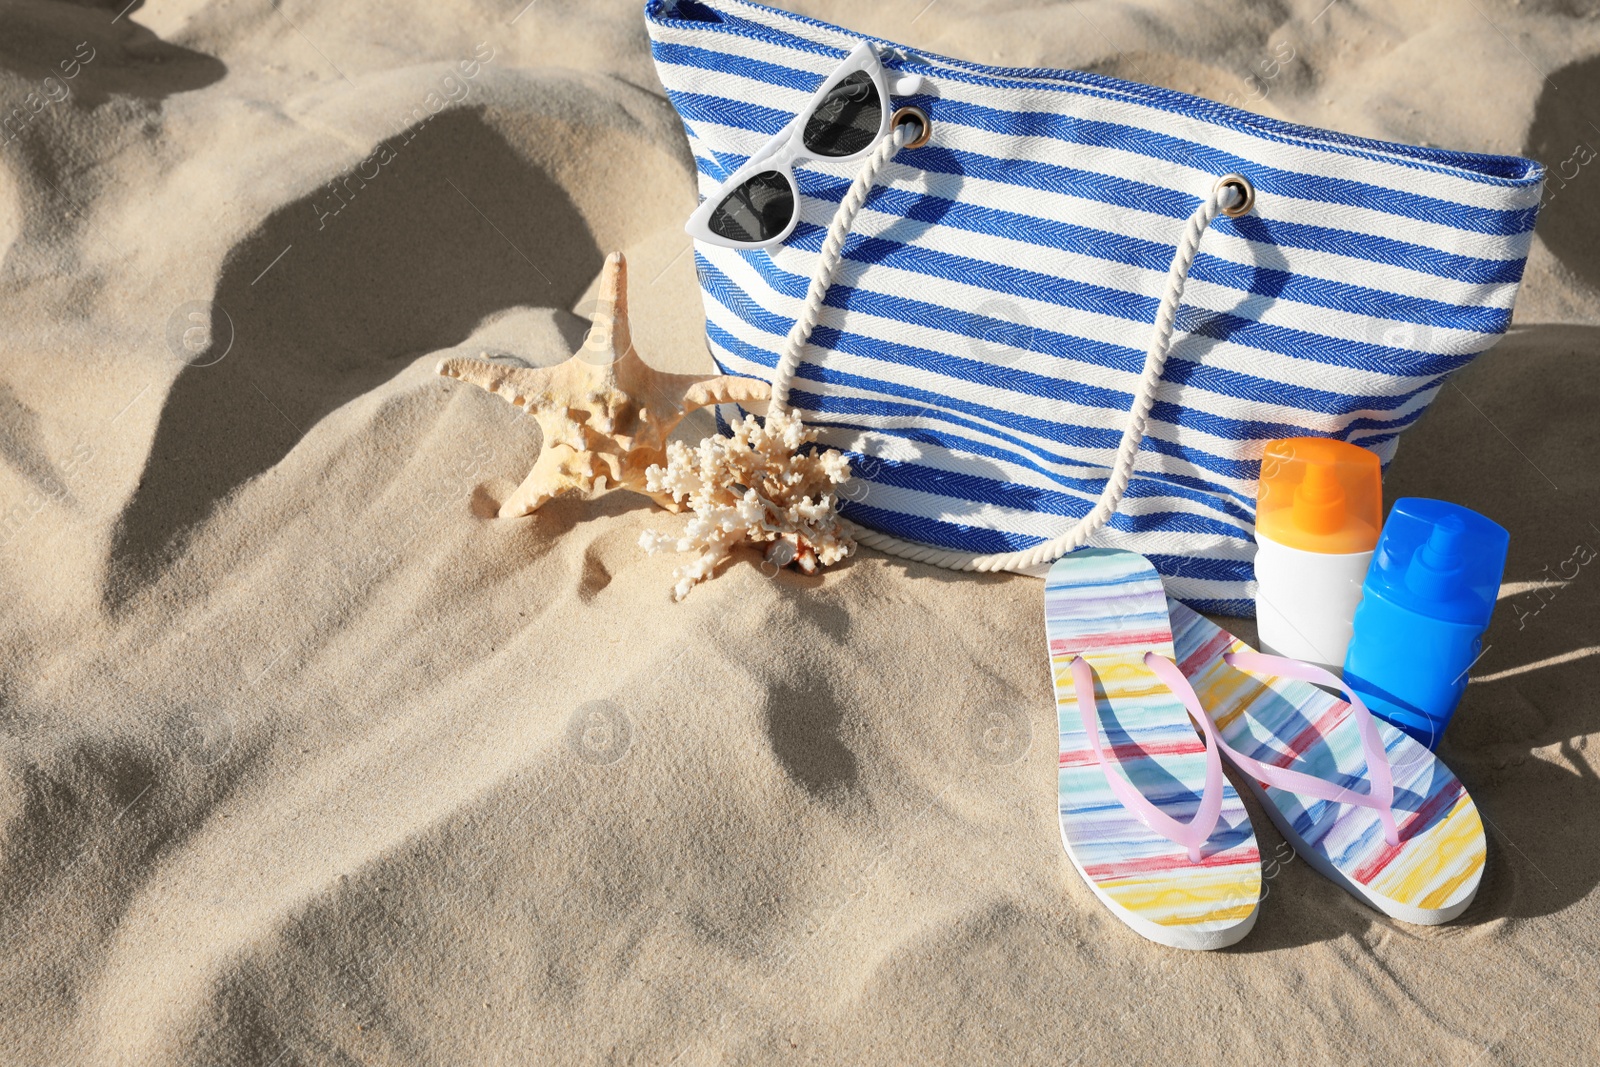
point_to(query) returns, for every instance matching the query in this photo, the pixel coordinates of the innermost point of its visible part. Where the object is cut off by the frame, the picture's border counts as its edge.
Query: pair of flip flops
(1147, 816)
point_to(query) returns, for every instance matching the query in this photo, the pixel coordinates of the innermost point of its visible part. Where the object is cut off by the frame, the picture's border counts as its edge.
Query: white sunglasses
(759, 205)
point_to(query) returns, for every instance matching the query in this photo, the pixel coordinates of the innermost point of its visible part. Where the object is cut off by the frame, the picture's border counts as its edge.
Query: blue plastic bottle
(1426, 602)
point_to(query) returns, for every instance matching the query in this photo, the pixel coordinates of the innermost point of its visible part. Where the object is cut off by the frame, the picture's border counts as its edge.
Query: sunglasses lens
(847, 120)
(758, 210)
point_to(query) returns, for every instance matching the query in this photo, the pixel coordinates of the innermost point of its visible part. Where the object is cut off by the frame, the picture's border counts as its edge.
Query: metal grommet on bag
(1247, 194)
(920, 117)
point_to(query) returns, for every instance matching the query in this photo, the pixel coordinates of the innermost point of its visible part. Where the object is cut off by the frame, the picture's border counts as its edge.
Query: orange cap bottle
(1320, 495)
(1319, 507)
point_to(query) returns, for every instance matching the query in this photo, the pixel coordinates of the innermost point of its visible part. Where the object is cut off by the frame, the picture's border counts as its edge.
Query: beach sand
(307, 759)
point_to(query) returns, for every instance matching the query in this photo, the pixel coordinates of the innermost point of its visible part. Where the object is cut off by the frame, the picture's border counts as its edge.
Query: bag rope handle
(1231, 195)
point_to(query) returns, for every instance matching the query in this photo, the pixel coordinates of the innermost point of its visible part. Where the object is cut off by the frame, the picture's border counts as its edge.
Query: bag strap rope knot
(1232, 195)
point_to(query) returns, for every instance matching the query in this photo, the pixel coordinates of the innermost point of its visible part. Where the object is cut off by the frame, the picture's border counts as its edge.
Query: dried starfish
(605, 413)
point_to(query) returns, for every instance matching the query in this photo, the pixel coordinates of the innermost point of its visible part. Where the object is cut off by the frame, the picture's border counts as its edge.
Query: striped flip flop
(1147, 817)
(1365, 804)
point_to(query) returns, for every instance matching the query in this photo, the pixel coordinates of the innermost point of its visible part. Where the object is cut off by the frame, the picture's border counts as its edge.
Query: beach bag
(1071, 309)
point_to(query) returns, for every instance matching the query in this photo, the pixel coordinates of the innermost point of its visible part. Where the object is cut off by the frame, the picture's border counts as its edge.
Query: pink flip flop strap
(1379, 796)
(1197, 831)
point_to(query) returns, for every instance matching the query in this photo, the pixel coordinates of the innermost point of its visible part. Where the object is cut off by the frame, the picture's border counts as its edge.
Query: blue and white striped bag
(994, 317)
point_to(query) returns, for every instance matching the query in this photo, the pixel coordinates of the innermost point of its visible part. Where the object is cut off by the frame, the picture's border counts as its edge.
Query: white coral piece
(754, 485)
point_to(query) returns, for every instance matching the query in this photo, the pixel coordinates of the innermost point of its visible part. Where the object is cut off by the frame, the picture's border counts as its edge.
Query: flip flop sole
(1432, 875)
(1109, 607)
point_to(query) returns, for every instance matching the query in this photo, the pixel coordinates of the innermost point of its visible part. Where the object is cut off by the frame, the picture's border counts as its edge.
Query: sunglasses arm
(904, 84)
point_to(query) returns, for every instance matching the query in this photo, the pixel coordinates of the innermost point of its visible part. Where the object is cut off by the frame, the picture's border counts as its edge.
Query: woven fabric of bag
(978, 348)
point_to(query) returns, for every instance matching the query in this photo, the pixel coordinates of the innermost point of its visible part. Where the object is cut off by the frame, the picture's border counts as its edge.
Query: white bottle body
(1306, 601)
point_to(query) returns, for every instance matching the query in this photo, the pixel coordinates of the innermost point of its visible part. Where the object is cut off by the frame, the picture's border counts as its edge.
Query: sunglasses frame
(787, 148)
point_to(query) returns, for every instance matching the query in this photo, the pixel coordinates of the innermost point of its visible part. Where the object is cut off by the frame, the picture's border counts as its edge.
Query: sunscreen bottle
(1429, 595)
(1318, 509)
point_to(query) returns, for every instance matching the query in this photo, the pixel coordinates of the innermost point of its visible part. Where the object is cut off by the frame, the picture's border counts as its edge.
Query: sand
(309, 760)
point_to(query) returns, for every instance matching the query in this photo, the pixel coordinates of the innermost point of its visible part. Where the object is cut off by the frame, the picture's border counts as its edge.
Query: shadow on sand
(316, 308)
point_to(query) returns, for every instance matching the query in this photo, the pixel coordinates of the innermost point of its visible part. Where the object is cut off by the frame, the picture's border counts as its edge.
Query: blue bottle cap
(1441, 560)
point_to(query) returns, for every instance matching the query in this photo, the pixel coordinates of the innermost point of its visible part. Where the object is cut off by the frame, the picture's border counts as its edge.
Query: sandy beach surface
(307, 759)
